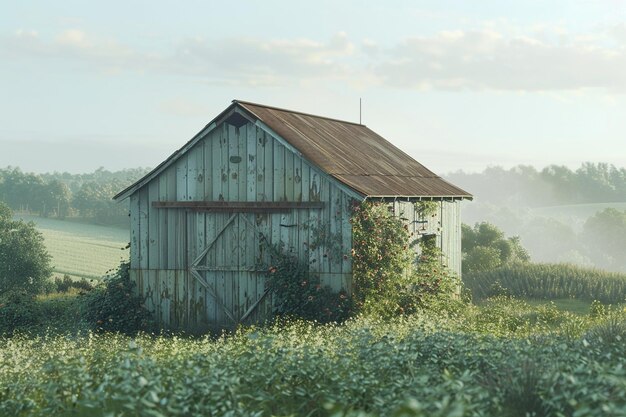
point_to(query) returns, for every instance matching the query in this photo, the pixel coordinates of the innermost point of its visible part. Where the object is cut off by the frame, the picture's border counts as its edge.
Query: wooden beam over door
(240, 206)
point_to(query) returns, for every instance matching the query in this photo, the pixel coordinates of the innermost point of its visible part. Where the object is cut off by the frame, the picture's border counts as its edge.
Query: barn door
(227, 266)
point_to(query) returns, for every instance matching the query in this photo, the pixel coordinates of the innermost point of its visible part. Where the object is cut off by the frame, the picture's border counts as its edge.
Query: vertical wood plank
(242, 166)
(232, 168)
(260, 164)
(268, 167)
(325, 220)
(143, 228)
(192, 173)
(181, 179)
(251, 167)
(289, 175)
(297, 178)
(165, 300)
(306, 181)
(154, 253)
(208, 165)
(279, 172)
(134, 231)
(346, 242)
(162, 228)
(216, 165)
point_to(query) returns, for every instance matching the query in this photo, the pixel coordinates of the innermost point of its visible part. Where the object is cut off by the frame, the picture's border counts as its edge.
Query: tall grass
(549, 281)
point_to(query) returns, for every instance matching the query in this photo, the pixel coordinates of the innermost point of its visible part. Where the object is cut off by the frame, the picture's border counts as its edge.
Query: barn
(259, 172)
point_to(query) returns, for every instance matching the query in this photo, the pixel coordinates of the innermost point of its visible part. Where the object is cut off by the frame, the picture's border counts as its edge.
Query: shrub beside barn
(257, 174)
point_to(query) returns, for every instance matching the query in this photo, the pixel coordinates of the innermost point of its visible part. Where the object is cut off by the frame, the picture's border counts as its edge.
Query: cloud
(475, 60)
(258, 61)
(236, 59)
(487, 60)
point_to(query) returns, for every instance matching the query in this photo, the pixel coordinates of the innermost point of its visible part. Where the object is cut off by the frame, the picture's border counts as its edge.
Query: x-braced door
(227, 266)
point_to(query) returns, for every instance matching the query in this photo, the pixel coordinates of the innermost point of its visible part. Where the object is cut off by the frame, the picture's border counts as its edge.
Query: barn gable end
(198, 221)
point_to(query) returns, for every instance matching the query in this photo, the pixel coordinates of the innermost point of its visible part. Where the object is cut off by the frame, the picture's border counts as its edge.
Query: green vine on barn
(388, 277)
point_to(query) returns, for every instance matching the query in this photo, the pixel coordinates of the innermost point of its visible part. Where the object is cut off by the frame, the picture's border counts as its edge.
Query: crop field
(82, 250)
(502, 359)
(549, 281)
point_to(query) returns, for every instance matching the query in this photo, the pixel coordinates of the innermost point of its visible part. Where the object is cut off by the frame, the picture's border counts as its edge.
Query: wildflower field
(504, 358)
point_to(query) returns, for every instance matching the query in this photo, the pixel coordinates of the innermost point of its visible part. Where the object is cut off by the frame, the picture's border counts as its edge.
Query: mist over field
(561, 215)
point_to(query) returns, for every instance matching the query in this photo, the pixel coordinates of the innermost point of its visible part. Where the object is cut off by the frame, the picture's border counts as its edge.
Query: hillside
(81, 250)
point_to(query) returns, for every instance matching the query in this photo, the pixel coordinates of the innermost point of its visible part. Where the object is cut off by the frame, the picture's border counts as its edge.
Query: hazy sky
(456, 84)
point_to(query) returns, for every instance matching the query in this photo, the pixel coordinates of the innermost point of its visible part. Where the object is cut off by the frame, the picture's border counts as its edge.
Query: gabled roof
(350, 152)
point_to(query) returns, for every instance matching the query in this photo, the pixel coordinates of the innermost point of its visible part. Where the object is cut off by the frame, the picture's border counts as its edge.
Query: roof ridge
(297, 112)
(385, 175)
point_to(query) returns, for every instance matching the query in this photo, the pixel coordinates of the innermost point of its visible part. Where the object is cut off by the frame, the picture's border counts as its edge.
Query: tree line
(62, 195)
(553, 185)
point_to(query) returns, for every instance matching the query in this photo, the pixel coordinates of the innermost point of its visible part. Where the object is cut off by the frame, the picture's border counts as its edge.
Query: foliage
(115, 307)
(66, 283)
(605, 235)
(389, 279)
(380, 252)
(550, 281)
(17, 310)
(504, 358)
(300, 293)
(485, 247)
(553, 185)
(63, 194)
(21, 312)
(24, 261)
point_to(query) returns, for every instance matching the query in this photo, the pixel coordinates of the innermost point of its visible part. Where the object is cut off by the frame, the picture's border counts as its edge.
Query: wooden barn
(259, 172)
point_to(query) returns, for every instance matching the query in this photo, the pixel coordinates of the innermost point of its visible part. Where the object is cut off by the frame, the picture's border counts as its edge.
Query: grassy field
(571, 305)
(82, 250)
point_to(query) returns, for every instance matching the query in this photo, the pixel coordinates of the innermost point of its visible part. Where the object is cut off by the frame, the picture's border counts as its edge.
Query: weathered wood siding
(445, 223)
(229, 164)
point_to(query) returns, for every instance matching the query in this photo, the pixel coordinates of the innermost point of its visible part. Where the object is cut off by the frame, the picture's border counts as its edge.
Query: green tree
(605, 238)
(24, 261)
(55, 199)
(485, 247)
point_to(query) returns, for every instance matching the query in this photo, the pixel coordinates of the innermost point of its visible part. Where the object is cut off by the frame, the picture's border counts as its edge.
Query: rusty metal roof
(355, 155)
(350, 152)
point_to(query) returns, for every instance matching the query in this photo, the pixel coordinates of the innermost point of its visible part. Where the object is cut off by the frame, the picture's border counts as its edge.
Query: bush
(299, 293)
(485, 248)
(115, 307)
(66, 283)
(24, 261)
(18, 310)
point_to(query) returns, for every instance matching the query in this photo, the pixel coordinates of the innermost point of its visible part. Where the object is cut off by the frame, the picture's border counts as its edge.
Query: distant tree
(605, 237)
(485, 247)
(24, 261)
(55, 199)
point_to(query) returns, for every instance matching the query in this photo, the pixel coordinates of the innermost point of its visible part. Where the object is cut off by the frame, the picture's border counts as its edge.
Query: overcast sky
(457, 85)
